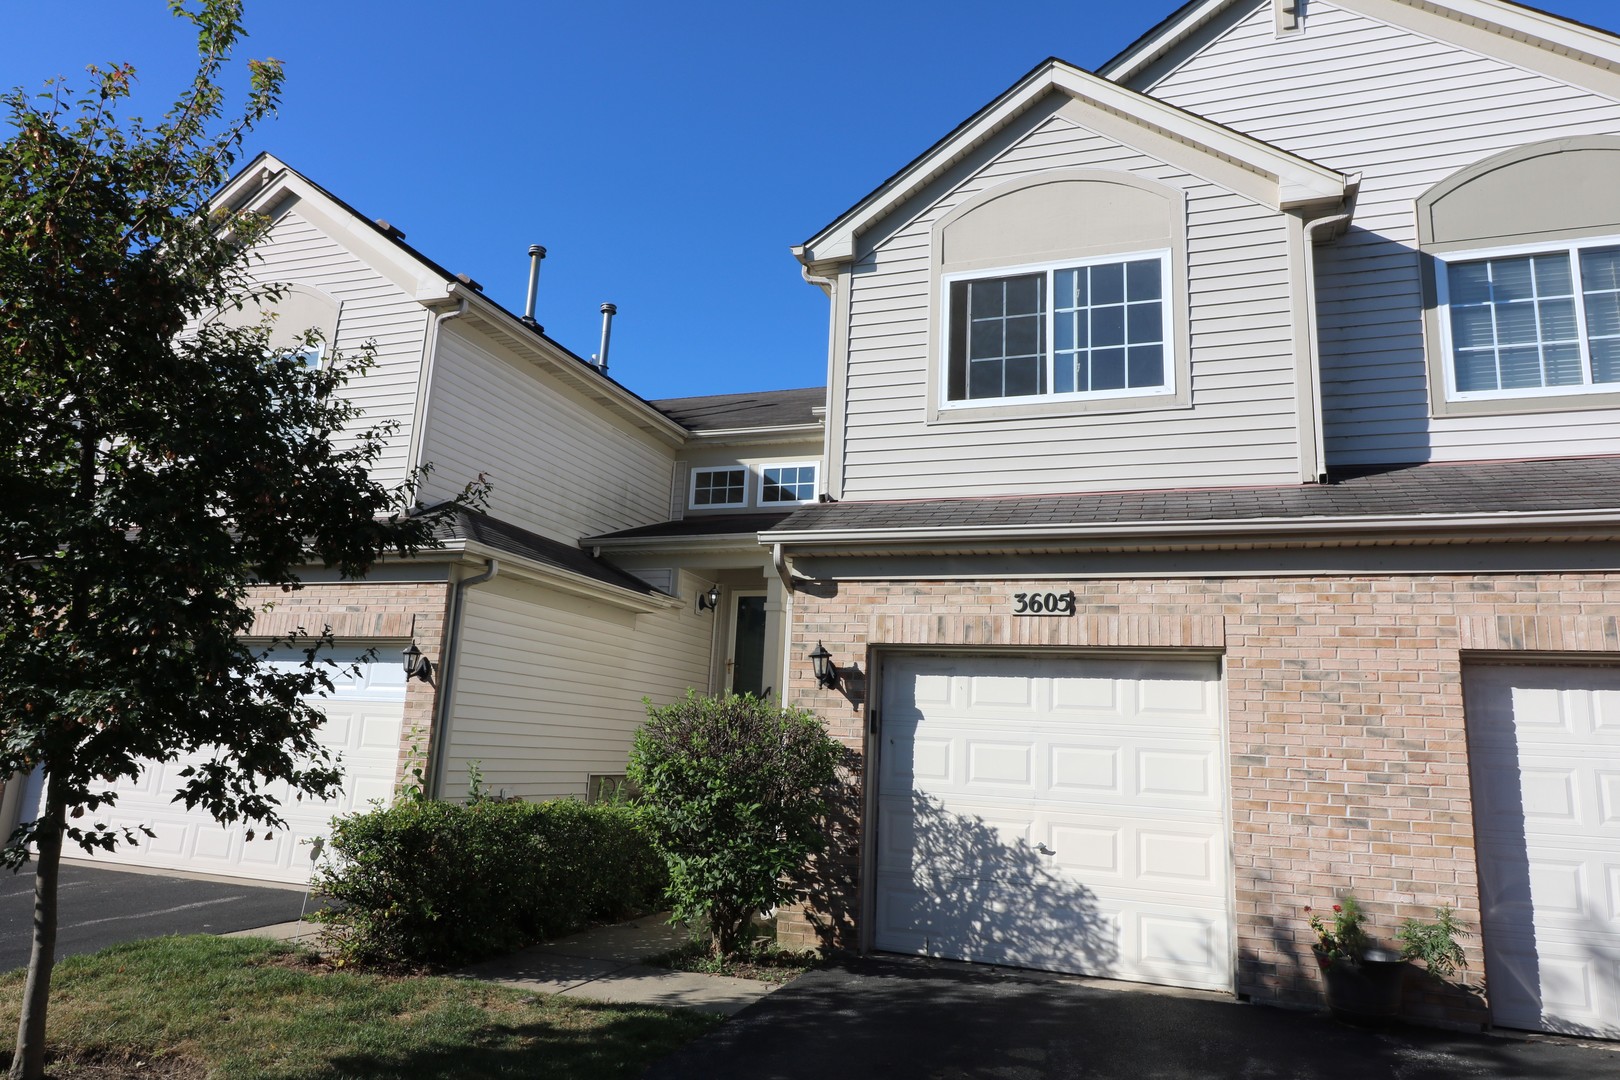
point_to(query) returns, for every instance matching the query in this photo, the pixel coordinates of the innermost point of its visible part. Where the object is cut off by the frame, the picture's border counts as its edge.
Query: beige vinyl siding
(1406, 111)
(1240, 429)
(373, 309)
(556, 463)
(548, 687)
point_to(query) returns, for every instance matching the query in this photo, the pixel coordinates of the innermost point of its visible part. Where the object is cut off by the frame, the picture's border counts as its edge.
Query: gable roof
(265, 179)
(1517, 33)
(734, 412)
(1283, 180)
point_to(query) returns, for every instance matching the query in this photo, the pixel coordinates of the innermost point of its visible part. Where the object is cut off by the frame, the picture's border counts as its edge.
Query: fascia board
(715, 543)
(567, 581)
(783, 433)
(1297, 181)
(568, 367)
(1550, 45)
(1161, 532)
(1508, 31)
(1161, 39)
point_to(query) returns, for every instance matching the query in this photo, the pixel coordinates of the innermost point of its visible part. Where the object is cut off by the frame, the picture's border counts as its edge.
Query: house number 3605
(1043, 603)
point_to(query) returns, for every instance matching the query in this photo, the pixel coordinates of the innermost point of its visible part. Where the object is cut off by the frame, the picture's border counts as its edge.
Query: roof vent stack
(536, 253)
(608, 311)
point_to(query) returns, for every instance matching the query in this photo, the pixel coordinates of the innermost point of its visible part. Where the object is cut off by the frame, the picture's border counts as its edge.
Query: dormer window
(1063, 331)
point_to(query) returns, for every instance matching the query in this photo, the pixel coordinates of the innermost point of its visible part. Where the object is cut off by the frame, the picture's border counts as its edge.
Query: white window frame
(692, 486)
(1166, 310)
(815, 483)
(1442, 284)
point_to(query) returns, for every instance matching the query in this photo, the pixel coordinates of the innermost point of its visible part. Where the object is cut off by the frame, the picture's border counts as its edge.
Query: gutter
(1154, 531)
(449, 658)
(1313, 439)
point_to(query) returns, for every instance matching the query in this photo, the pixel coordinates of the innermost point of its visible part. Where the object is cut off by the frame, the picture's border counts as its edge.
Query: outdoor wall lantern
(417, 666)
(710, 600)
(826, 670)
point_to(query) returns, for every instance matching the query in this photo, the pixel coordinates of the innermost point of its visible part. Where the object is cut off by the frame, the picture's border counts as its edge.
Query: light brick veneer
(359, 612)
(1347, 750)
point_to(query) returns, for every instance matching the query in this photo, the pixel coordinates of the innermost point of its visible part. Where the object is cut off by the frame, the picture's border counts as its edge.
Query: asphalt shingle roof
(508, 538)
(765, 408)
(1470, 488)
(703, 525)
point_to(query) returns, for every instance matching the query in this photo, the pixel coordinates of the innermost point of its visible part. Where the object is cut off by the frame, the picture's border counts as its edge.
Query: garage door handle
(1044, 850)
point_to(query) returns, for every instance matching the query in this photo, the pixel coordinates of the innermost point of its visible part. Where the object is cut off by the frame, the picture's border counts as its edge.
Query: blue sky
(666, 154)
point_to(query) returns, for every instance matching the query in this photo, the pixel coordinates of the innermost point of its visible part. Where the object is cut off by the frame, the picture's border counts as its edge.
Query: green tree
(156, 463)
(736, 791)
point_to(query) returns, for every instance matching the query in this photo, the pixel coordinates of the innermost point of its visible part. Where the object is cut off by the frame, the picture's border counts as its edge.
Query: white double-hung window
(1060, 331)
(1531, 322)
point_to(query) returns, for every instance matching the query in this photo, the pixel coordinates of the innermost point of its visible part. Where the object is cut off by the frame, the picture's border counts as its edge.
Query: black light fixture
(417, 666)
(710, 600)
(826, 670)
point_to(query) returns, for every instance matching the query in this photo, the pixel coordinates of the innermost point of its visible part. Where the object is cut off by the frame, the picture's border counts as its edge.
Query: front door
(747, 660)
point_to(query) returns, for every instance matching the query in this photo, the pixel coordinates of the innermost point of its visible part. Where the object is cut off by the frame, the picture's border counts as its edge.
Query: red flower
(1307, 909)
(1336, 907)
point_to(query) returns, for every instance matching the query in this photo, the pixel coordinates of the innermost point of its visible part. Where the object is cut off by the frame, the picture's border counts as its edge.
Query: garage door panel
(1081, 829)
(1545, 766)
(364, 719)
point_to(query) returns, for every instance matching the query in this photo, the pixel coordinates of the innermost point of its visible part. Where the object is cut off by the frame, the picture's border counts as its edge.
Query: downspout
(449, 656)
(1312, 418)
(424, 393)
(832, 426)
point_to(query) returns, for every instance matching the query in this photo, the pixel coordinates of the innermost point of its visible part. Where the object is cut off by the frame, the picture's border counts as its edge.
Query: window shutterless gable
(1520, 303)
(1043, 300)
(1531, 321)
(1072, 330)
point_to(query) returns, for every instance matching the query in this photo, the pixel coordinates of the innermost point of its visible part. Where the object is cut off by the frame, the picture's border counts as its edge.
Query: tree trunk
(29, 1062)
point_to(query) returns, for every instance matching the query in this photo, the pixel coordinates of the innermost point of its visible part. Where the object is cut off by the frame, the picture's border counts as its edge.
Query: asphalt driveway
(101, 907)
(925, 1020)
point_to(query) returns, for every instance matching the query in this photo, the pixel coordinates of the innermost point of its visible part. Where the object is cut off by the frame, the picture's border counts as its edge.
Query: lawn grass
(245, 1008)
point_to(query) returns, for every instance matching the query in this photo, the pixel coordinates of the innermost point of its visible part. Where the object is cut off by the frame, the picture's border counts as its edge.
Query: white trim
(691, 490)
(1567, 248)
(1165, 531)
(815, 484)
(1278, 179)
(1167, 341)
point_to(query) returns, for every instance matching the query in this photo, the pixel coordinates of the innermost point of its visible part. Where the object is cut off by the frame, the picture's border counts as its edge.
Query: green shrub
(735, 789)
(442, 882)
(1435, 943)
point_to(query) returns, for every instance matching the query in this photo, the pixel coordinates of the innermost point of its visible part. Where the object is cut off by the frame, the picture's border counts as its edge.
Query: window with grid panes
(1533, 323)
(1078, 330)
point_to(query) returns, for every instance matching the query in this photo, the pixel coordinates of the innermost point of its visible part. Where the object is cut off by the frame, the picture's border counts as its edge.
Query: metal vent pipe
(608, 311)
(536, 253)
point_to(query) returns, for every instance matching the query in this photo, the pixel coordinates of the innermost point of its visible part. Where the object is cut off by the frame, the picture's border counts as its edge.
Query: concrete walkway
(604, 964)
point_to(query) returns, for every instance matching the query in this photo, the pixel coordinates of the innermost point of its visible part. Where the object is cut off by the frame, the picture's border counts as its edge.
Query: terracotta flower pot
(1367, 991)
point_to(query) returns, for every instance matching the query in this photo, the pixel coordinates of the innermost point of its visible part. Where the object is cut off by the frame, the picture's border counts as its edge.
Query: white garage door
(1544, 754)
(364, 717)
(1055, 813)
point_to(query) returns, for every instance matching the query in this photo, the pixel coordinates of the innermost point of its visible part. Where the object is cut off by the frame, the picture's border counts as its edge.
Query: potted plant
(1363, 983)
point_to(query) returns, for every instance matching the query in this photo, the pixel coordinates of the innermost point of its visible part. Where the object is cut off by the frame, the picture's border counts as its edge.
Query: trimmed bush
(444, 882)
(735, 789)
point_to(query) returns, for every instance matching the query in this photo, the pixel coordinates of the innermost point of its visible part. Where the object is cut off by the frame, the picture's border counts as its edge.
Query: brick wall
(358, 612)
(1347, 748)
